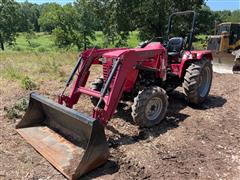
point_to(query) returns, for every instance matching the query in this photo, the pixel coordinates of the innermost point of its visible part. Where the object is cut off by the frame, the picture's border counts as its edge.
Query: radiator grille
(107, 67)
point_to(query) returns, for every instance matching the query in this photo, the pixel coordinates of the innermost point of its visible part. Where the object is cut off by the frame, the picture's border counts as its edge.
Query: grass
(43, 42)
(31, 69)
(132, 40)
(17, 110)
(31, 63)
(28, 84)
(40, 42)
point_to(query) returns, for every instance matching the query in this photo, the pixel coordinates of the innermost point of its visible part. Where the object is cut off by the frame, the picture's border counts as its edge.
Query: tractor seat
(175, 45)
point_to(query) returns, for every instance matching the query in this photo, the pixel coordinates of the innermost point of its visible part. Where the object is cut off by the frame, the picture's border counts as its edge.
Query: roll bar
(192, 28)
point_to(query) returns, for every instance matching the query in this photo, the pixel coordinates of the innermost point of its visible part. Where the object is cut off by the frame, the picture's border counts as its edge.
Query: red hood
(116, 53)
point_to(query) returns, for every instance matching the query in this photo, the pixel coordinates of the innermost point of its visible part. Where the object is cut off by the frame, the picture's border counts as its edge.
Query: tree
(8, 21)
(28, 17)
(24, 24)
(71, 24)
(49, 17)
(205, 22)
(227, 16)
(149, 17)
(65, 31)
(114, 19)
(235, 16)
(153, 14)
(85, 24)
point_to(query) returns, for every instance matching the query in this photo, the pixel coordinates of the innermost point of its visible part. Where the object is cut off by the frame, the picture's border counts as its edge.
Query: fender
(190, 56)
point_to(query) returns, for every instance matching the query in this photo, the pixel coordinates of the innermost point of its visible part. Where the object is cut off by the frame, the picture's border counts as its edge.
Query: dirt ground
(191, 143)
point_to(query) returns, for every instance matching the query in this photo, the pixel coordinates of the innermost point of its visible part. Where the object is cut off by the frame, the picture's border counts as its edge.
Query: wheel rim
(153, 108)
(204, 82)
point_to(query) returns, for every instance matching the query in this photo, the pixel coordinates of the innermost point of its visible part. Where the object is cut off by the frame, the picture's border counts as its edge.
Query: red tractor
(143, 75)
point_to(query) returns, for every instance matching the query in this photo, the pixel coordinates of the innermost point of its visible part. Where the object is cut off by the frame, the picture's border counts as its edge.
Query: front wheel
(150, 106)
(197, 81)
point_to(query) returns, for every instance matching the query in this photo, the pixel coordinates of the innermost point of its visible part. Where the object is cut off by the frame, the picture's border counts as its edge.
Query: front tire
(150, 106)
(197, 81)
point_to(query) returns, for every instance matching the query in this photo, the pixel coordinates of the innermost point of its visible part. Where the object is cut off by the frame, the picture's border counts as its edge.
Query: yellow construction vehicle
(223, 44)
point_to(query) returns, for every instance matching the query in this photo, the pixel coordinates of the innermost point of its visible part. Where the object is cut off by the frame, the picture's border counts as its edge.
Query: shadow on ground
(108, 168)
(177, 103)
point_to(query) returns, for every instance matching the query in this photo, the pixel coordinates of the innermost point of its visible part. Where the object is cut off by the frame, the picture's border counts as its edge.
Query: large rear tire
(197, 81)
(150, 106)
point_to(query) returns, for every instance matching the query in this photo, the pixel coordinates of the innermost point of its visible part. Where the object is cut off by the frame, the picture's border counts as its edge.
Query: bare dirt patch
(200, 142)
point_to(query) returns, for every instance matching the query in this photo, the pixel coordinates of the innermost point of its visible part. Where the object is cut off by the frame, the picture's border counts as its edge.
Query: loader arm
(126, 62)
(88, 57)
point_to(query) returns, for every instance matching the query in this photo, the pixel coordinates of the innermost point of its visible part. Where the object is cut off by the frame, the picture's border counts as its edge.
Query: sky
(213, 4)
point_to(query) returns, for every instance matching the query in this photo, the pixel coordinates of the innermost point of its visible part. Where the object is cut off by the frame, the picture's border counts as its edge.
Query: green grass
(30, 69)
(17, 110)
(40, 42)
(35, 58)
(132, 40)
(43, 42)
(29, 66)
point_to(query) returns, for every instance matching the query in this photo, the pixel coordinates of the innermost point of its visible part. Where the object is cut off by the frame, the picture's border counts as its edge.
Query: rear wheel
(97, 86)
(197, 81)
(150, 106)
(236, 65)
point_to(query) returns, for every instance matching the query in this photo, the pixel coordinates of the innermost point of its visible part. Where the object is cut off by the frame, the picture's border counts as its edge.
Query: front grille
(107, 67)
(106, 70)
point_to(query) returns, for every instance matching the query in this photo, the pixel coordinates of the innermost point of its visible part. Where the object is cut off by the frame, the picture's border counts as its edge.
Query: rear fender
(192, 56)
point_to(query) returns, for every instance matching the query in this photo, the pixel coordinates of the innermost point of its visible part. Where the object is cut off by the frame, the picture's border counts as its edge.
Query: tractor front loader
(225, 45)
(75, 143)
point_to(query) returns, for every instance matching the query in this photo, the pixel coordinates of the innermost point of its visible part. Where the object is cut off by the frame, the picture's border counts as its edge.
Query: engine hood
(114, 54)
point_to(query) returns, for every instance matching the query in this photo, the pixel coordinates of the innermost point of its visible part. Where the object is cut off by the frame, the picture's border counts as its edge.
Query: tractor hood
(114, 54)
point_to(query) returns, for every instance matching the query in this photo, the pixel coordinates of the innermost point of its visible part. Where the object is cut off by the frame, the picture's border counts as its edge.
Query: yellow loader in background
(225, 45)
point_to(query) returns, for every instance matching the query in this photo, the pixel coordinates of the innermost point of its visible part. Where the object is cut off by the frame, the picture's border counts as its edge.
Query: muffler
(71, 141)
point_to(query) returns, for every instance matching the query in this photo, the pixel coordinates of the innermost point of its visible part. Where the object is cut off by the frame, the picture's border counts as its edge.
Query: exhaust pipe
(71, 141)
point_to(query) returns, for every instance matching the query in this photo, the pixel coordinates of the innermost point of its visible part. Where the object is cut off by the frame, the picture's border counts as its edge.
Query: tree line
(74, 24)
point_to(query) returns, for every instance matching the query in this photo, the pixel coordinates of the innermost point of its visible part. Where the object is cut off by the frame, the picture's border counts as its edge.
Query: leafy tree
(205, 21)
(235, 16)
(25, 13)
(8, 21)
(153, 14)
(227, 16)
(49, 17)
(71, 24)
(28, 15)
(65, 31)
(85, 23)
(32, 14)
(149, 17)
(115, 19)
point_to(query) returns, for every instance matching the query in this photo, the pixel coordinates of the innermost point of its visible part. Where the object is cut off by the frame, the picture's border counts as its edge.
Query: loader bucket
(72, 142)
(223, 62)
(236, 66)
